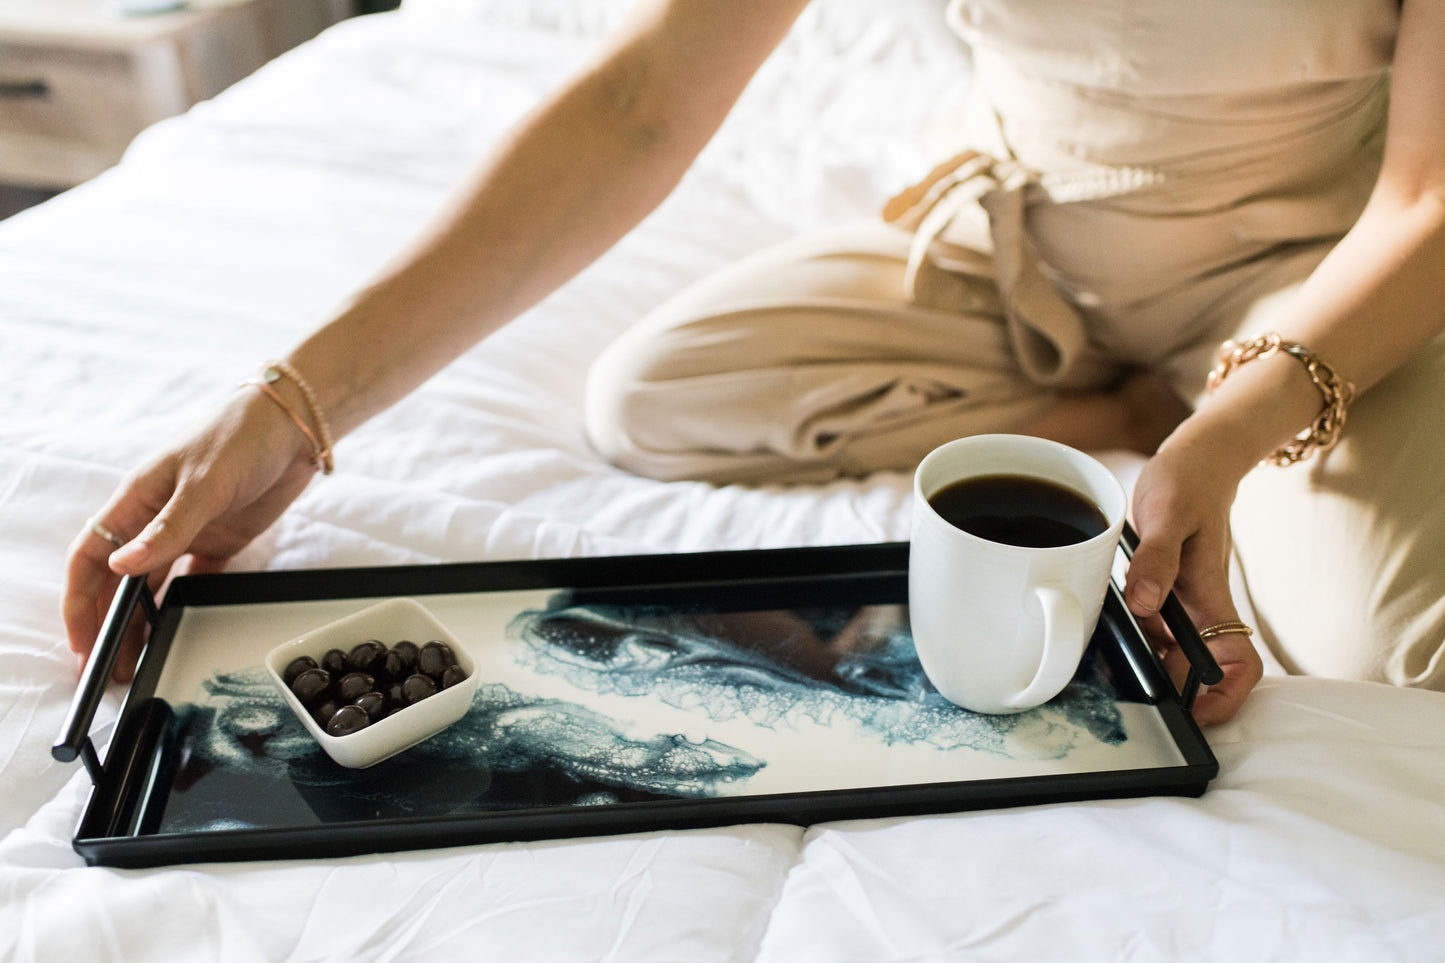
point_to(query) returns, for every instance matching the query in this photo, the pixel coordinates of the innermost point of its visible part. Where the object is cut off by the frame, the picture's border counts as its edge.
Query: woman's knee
(617, 406)
(651, 411)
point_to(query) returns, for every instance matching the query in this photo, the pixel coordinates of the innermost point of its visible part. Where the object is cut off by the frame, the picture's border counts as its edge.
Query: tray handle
(74, 739)
(1203, 669)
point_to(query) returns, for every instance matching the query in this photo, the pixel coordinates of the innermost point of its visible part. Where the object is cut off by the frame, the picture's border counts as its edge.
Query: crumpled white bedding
(131, 305)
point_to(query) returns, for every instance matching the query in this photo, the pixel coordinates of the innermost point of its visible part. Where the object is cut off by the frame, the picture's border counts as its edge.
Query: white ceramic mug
(1001, 628)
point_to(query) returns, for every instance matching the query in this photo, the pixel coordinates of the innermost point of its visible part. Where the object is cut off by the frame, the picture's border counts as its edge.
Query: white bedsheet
(133, 304)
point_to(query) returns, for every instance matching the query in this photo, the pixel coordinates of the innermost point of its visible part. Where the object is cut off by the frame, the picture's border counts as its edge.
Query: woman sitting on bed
(1131, 190)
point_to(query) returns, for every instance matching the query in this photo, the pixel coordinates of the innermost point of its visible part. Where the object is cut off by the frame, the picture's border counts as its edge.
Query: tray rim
(102, 840)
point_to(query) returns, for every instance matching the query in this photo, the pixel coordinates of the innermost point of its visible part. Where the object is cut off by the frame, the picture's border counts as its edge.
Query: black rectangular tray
(617, 694)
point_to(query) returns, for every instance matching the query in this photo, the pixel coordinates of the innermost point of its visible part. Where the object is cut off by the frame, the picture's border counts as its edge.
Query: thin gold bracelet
(1325, 430)
(318, 418)
(320, 439)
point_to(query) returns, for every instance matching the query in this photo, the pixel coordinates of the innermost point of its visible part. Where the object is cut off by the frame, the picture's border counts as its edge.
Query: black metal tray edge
(799, 809)
(96, 837)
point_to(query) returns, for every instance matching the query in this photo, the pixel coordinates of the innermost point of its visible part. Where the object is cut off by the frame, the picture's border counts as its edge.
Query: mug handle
(1063, 628)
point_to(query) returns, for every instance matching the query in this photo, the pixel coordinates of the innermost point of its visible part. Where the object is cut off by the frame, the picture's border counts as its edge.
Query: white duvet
(131, 305)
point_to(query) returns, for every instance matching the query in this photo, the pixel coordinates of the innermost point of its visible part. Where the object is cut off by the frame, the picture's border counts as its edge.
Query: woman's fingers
(1164, 528)
(1152, 572)
(90, 582)
(1187, 551)
(90, 578)
(89, 585)
(154, 552)
(1243, 669)
(1203, 582)
(169, 534)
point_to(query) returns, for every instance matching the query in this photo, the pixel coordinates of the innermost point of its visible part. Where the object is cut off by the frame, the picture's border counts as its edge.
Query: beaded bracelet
(1322, 434)
(270, 373)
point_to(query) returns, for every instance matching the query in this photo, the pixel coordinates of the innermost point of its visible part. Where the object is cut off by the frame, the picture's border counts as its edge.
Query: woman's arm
(1371, 305)
(1379, 297)
(562, 188)
(572, 178)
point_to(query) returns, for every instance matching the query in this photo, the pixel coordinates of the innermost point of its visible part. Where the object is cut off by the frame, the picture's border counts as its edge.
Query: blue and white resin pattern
(585, 705)
(814, 667)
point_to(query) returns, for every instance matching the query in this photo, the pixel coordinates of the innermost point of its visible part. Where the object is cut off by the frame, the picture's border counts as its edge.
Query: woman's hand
(199, 503)
(1181, 512)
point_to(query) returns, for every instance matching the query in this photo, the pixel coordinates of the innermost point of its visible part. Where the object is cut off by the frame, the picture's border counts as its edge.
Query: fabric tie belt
(974, 203)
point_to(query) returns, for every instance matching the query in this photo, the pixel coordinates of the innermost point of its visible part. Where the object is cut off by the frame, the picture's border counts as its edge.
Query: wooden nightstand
(77, 82)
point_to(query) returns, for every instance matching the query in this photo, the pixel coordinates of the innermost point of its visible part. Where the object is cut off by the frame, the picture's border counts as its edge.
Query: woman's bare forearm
(1379, 297)
(565, 185)
(1373, 304)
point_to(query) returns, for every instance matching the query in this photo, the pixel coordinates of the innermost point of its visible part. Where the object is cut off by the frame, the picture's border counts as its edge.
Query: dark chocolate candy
(417, 688)
(297, 666)
(334, 661)
(434, 658)
(311, 685)
(374, 704)
(366, 656)
(346, 720)
(354, 684)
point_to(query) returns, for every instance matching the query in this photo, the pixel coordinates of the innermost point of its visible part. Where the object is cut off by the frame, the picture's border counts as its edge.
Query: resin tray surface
(614, 695)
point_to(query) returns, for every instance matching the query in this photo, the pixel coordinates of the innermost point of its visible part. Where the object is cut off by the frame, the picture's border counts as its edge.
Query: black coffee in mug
(1019, 510)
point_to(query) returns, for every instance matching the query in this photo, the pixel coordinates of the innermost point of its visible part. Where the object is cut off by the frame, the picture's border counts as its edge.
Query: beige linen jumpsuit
(1136, 182)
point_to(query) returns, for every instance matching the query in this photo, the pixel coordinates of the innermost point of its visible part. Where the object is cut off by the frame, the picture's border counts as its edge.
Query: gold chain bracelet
(1322, 434)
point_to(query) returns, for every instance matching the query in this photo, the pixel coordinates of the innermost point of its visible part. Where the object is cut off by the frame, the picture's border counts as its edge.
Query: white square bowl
(388, 622)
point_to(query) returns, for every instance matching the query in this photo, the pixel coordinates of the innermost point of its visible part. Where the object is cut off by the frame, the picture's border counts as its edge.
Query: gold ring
(96, 527)
(1225, 628)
